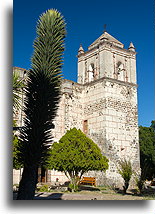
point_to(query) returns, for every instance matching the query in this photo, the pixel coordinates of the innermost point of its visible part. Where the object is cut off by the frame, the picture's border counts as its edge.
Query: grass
(149, 197)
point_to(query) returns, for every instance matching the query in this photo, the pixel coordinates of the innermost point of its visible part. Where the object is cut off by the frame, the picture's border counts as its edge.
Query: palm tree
(18, 85)
(41, 98)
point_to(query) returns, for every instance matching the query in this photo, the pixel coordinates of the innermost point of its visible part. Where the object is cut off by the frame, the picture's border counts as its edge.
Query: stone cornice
(111, 80)
(100, 80)
(107, 46)
(71, 81)
(18, 68)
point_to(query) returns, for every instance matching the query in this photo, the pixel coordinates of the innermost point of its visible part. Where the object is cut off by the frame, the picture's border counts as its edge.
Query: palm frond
(18, 85)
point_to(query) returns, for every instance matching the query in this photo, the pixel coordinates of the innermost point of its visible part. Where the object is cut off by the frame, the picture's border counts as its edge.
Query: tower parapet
(107, 57)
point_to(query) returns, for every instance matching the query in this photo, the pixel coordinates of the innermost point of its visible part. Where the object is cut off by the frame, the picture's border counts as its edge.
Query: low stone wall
(17, 176)
(55, 176)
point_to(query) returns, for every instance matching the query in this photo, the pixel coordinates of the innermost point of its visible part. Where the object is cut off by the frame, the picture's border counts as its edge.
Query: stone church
(103, 104)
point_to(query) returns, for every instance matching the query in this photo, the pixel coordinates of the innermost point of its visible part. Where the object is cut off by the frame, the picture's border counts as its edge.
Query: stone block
(108, 118)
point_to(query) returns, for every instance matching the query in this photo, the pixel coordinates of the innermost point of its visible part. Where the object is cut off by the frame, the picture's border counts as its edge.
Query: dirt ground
(92, 193)
(85, 196)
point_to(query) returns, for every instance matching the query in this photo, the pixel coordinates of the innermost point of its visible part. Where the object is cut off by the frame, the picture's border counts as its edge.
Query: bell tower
(107, 73)
(107, 57)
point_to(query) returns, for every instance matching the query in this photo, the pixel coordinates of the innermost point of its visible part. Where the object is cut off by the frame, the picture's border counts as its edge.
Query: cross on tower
(105, 27)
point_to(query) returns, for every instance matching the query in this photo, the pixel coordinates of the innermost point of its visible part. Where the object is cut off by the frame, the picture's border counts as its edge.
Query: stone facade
(103, 104)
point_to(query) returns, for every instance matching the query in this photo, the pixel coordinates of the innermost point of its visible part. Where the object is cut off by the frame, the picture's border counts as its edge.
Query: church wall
(94, 108)
(133, 69)
(129, 65)
(58, 122)
(69, 113)
(102, 64)
(93, 104)
(121, 125)
(128, 70)
(17, 176)
(110, 107)
(81, 70)
(72, 94)
(106, 63)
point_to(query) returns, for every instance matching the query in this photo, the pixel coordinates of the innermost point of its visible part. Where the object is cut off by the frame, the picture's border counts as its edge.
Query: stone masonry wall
(121, 126)
(70, 111)
(110, 109)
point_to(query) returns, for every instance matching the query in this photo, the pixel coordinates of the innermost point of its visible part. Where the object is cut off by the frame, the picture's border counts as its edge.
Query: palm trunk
(28, 184)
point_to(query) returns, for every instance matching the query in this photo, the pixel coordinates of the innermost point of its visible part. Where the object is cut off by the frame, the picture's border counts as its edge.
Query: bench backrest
(89, 178)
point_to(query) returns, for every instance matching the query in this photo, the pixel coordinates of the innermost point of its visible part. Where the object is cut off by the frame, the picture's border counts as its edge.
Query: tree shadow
(42, 196)
(131, 192)
(53, 196)
(134, 192)
(149, 191)
(89, 188)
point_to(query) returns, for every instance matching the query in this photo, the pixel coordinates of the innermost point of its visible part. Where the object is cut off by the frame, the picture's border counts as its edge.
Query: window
(91, 72)
(120, 71)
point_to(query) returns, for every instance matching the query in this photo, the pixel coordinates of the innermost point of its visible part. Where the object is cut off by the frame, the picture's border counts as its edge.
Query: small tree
(140, 178)
(76, 154)
(125, 170)
(147, 151)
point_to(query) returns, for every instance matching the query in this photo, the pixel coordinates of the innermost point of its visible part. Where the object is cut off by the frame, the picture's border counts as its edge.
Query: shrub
(73, 187)
(139, 182)
(125, 170)
(44, 188)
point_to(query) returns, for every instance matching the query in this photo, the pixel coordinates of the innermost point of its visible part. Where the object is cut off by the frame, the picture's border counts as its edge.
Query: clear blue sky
(126, 20)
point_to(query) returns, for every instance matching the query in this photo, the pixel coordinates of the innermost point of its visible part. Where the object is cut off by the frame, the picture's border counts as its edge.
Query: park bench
(88, 180)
